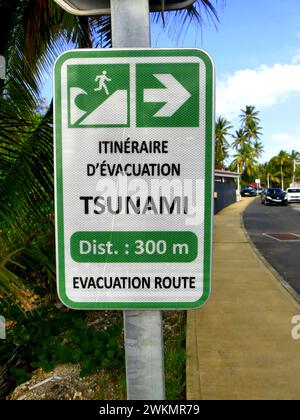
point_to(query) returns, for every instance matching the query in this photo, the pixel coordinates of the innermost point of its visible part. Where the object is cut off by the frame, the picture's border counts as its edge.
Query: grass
(175, 355)
(113, 385)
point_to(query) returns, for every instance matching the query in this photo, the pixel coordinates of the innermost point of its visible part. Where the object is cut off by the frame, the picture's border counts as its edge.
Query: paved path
(283, 256)
(239, 344)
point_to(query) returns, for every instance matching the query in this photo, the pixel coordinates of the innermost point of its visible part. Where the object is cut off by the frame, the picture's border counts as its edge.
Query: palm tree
(239, 139)
(258, 149)
(253, 131)
(249, 115)
(239, 143)
(221, 143)
(295, 156)
(297, 173)
(246, 140)
(250, 122)
(282, 159)
(32, 34)
(246, 159)
(268, 172)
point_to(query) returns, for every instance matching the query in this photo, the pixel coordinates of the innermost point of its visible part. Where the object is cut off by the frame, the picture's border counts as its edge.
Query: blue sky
(256, 50)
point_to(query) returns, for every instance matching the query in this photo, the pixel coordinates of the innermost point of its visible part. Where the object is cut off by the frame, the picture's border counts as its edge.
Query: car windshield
(293, 190)
(274, 191)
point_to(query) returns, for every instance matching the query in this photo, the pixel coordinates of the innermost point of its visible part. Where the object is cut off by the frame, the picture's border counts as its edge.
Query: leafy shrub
(47, 337)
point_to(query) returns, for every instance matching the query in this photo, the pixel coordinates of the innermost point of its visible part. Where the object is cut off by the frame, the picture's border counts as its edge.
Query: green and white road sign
(134, 147)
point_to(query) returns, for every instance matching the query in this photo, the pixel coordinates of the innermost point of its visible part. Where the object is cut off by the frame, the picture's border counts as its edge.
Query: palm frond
(11, 286)
(26, 174)
(177, 23)
(101, 28)
(39, 31)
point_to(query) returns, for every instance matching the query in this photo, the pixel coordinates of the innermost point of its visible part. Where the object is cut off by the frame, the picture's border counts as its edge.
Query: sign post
(2, 67)
(143, 332)
(257, 182)
(134, 184)
(2, 328)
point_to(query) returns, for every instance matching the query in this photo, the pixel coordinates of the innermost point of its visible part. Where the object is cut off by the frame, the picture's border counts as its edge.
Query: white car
(293, 195)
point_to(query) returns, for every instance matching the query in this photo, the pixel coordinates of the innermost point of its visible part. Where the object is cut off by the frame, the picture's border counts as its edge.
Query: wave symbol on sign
(113, 111)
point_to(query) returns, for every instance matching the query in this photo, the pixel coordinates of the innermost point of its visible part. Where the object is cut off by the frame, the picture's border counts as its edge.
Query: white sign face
(257, 181)
(134, 145)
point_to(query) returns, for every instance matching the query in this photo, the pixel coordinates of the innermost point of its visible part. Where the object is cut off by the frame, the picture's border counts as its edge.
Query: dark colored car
(248, 192)
(274, 196)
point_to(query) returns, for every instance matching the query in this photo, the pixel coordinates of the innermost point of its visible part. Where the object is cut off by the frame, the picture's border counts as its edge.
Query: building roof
(225, 173)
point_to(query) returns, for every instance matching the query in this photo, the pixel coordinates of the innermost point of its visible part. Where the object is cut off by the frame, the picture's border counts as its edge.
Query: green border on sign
(209, 178)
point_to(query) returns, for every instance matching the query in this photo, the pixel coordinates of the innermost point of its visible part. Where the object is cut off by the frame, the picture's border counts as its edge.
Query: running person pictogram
(102, 79)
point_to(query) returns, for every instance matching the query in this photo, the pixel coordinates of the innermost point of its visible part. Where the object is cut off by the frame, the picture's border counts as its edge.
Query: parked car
(274, 196)
(293, 195)
(248, 192)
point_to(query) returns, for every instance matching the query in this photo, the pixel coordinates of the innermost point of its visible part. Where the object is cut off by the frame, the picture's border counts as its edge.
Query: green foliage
(281, 171)
(175, 357)
(47, 337)
(33, 33)
(222, 145)
(177, 23)
(246, 143)
(26, 196)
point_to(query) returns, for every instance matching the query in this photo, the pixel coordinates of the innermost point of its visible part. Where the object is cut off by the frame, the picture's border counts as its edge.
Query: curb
(278, 276)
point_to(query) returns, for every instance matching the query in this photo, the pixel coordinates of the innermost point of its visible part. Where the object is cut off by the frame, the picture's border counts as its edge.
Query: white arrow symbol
(174, 95)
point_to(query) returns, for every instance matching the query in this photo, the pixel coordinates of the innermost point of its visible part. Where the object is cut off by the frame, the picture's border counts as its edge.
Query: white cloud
(263, 87)
(283, 138)
(286, 141)
(282, 141)
(296, 59)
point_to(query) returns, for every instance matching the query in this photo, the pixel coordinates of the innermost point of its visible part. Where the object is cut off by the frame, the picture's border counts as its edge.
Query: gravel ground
(68, 385)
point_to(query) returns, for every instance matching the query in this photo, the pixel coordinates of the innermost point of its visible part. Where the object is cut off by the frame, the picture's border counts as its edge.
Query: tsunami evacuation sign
(134, 147)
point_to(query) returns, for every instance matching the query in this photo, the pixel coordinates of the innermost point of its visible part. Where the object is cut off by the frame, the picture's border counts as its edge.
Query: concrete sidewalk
(239, 344)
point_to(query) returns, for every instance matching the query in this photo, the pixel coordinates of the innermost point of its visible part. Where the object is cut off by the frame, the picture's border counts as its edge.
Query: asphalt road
(284, 256)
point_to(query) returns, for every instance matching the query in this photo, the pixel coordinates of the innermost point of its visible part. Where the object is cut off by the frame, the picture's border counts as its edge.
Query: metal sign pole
(143, 329)
(2, 68)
